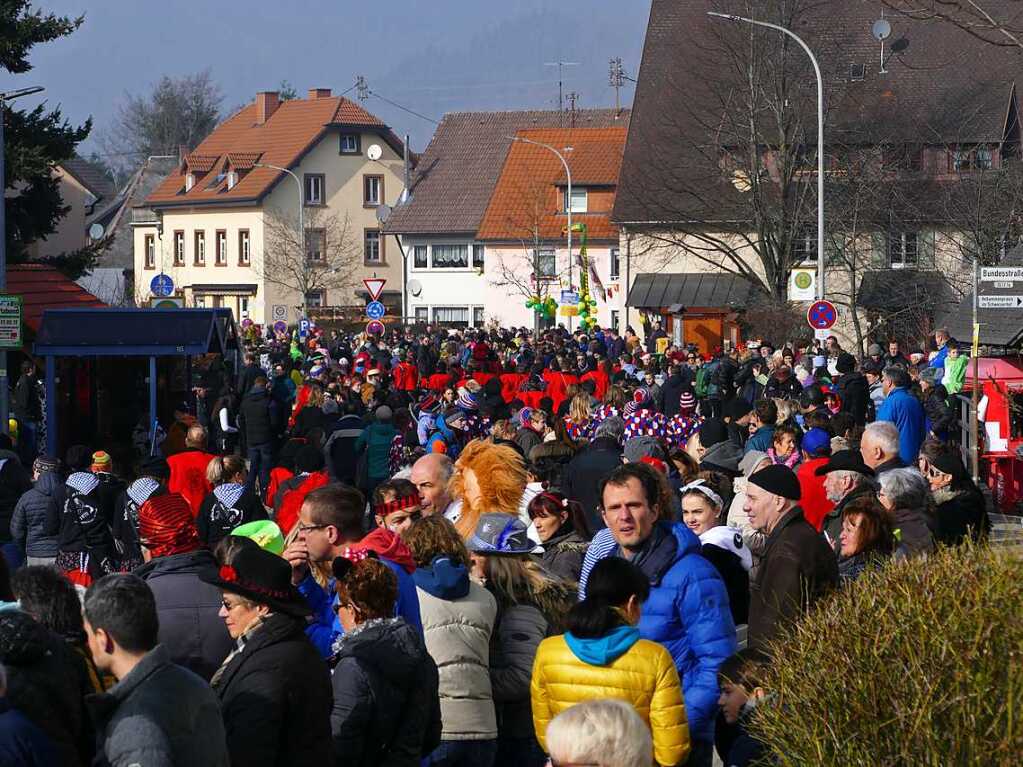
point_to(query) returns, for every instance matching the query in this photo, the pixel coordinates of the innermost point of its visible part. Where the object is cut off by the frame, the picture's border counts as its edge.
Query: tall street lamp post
(301, 219)
(568, 207)
(820, 135)
(5, 393)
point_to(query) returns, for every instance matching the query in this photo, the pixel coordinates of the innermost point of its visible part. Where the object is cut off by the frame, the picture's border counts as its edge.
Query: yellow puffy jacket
(644, 675)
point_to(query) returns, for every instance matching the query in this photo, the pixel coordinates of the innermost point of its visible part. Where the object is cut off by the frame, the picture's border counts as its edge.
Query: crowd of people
(464, 548)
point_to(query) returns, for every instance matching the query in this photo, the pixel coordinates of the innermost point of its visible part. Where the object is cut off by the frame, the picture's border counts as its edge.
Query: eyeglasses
(306, 528)
(342, 606)
(228, 606)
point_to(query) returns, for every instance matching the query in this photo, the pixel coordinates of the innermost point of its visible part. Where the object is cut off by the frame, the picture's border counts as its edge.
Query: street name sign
(1000, 302)
(1001, 273)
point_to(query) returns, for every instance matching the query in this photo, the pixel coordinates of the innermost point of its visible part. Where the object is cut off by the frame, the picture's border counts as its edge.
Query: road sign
(570, 297)
(10, 322)
(821, 335)
(162, 285)
(1000, 302)
(375, 328)
(279, 313)
(803, 285)
(375, 286)
(303, 327)
(173, 302)
(998, 273)
(280, 326)
(822, 315)
(375, 310)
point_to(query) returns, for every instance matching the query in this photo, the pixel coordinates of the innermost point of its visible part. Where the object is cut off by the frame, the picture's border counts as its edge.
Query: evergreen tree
(35, 140)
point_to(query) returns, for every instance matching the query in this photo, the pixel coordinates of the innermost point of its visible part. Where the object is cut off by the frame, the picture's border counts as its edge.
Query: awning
(224, 290)
(891, 289)
(689, 289)
(135, 332)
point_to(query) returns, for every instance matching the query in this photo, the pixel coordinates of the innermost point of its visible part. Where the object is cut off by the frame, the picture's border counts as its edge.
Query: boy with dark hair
(765, 416)
(740, 680)
(154, 712)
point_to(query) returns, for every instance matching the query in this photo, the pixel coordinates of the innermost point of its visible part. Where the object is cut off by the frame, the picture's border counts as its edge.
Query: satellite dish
(96, 232)
(415, 287)
(374, 152)
(383, 213)
(881, 30)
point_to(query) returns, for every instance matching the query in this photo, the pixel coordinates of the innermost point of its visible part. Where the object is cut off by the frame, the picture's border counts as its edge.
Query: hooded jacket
(386, 708)
(188, 476)
(48, 684)
(458, 620)
(275, 697)
(854, 392)
(14, 482)
(85, 528)
(226, 507)
(191, 629)
(563, 554)
(570, 670)
(159, 714)
(687, 612)
(254, 417)
(376, 441)
(36, 519)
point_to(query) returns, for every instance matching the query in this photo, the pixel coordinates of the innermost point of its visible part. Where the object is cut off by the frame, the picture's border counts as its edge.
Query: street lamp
(5, 393)
(301, 218)
(568, 204)
(820, 135)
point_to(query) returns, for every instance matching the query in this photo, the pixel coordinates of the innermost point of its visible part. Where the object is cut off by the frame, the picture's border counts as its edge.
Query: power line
(403, 108)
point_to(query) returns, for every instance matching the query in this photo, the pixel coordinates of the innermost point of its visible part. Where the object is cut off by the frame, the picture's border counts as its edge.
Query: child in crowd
(785, 446)
(739, 679)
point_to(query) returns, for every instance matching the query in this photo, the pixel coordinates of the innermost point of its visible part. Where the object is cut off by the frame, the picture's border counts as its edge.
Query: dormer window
(232, 179)
(967, 158)
(578, 202)
(350, 143)
(189, 181)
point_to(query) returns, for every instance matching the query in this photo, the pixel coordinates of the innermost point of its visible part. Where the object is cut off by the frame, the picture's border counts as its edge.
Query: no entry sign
(822, 315)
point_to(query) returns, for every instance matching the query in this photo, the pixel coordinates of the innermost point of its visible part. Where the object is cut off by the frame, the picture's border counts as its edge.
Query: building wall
(70, 234)
(499, 292)
(343, 195)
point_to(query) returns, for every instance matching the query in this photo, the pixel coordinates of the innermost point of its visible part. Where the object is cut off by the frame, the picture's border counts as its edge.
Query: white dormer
(189, 181)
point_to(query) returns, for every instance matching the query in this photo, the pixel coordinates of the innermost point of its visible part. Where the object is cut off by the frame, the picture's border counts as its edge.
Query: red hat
(656, 463)
(166, 526)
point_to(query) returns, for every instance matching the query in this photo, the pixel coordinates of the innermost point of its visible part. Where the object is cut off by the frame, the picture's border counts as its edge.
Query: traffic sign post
(10, 322)
(822, 315)
(162, 286)
(375, 310)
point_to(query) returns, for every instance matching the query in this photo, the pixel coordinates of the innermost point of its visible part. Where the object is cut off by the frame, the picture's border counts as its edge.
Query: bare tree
(179, 111)
(998, 22)
(331, 262)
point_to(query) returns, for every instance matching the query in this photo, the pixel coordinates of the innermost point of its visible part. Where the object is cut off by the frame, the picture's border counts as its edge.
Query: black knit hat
(778, 480)
(713, 431)
(736, 408)
(846, 363)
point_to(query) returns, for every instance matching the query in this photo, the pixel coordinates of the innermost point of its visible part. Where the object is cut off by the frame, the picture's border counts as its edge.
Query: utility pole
(616, 79)
(361, 89)
(561, 65)
(5, 392)
(571, 98)
(301, 228)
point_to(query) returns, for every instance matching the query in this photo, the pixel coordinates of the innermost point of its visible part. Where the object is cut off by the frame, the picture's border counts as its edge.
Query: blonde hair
(579, 410)
(785, 409)
(222, 468)
(604, 733)
(501, 474)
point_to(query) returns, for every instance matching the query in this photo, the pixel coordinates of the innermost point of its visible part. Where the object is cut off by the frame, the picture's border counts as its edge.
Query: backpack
(700, 385)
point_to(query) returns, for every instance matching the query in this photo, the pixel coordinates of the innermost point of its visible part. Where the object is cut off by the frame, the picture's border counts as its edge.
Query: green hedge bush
(920, 663)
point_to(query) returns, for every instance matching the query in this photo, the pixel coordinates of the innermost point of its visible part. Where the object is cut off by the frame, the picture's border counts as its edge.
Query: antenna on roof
(571, 98)
(361, 89)
(560, 65)
(881, 30)
(616, 79)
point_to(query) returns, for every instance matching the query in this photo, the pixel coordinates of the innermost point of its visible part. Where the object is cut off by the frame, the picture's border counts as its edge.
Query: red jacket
(438, 382)
(557, 383)
(600, 381)
(482, 377)
(814, 500)
(278, 474)
(406, 376)
(188, 477)
(510, 383)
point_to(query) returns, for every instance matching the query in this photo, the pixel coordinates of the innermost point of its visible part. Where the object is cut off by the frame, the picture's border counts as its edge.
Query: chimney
(182, 152)
(266, 104)
(319, 93)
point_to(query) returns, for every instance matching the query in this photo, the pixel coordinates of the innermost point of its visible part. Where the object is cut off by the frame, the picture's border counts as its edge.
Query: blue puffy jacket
(905, 411)
(688, 613)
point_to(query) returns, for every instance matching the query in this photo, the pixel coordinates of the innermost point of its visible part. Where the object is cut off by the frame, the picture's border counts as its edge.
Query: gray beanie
(641, 447)
(384, 413)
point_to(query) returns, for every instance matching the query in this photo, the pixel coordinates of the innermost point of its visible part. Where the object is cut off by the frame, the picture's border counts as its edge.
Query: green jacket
(955, 373)
(376, 440)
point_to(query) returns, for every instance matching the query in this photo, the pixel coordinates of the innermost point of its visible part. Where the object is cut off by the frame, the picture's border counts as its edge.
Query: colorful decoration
(547, 307)
(587, 308)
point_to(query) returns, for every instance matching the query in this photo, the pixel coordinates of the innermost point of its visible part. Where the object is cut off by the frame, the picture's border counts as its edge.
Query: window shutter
(926, 245)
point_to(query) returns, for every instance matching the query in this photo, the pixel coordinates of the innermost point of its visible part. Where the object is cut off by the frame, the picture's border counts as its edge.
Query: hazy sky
(433, 57)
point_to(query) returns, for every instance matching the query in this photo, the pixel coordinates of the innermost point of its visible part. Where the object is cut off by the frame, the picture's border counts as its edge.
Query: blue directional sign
(375, 310)
(822, 315)
(162, 286)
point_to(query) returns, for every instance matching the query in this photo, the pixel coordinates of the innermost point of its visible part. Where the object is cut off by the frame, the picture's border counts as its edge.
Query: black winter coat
(584, 472)
(854, 391)
(216, 520)
(672, 392)
(960, 513)
(36, 519)
(191, 628)
(797, 568)
(254, 416)
(47, 682)
(386, 705)
(276, 698)
(14, 482)
(941, 418)
(563, 554)
(85, 529)
(790, 388)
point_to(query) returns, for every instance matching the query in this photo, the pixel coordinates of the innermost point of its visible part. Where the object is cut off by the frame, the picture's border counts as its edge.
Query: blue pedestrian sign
(375, 310)
(162, 286)
(822, 315)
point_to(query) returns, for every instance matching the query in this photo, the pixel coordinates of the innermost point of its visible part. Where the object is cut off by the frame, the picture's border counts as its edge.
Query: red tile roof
(528, 193)
(43, 287)
(292, 130)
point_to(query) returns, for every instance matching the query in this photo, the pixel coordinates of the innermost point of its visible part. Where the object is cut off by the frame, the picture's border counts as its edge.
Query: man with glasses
(330, 526)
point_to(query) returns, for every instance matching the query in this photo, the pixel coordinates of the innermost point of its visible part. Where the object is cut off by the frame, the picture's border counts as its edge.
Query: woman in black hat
(959, 507)
(274, 688)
